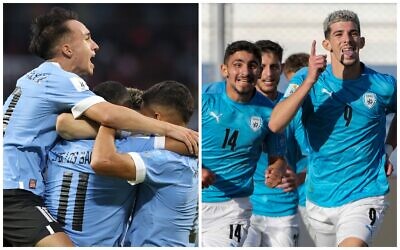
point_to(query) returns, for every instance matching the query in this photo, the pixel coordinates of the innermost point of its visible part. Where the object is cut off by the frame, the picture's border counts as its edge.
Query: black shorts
(25, 218)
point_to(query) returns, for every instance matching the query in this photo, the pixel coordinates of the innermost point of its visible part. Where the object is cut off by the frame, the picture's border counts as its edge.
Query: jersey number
(236, 233)
(372, 216)
(348, 113)
(80, 197)
(7, 115)
(230, 139)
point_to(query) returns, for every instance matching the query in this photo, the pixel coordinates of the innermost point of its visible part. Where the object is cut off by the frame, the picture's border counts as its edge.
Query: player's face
(345, 42)
(241, 73)
(83, 48)
(271, 71)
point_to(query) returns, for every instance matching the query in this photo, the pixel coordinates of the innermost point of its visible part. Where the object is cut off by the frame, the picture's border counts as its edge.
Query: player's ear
(224, 70)
(66, 50)
(327, 45)
(157, 116)
(362, 42)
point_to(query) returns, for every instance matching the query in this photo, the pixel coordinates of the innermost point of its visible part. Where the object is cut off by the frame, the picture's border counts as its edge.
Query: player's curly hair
(242, 45)
(171, 94)
(48, 29)
(340, 16)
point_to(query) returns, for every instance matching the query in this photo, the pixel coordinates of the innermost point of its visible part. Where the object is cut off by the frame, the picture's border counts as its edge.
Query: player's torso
(232, 134)
(171, 189)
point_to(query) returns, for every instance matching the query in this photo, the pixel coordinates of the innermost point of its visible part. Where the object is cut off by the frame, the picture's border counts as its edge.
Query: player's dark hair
(48, 29)
(113, 92)
(171, 94)
(268, 46)
(295, 62)
(242, 45)
(136, 97)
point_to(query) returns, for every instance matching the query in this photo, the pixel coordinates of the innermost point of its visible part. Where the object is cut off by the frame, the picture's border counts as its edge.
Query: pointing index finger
(313, 48)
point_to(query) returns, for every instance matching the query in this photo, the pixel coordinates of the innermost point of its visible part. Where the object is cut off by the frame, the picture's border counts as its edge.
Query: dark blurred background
(140, 44)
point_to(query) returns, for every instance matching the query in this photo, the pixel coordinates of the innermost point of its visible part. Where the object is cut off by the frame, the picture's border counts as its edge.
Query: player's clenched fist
(207, 178)
(316, 64)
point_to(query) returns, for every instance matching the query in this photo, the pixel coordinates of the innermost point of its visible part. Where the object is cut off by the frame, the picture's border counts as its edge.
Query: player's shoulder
(213, 87)
(380, 77)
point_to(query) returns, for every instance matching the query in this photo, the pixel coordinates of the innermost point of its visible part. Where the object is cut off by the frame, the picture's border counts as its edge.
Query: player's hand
(185, 135)
(207, 178)
(275, 173)
(289, 181)
(388, 167)
(316, 64)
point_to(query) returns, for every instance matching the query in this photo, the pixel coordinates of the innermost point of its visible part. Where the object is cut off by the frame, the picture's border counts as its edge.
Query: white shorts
(225, 224)
(360, 219)
(267, 231)
(306, 221)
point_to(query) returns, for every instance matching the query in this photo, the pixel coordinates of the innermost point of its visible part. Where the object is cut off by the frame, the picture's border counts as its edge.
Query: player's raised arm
(284, 111)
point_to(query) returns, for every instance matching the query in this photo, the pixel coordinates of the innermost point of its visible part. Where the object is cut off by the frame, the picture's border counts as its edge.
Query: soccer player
(167, 198)
(29, 118)
(344, 109)
(74, 194)
(274, 222)
(234, 125)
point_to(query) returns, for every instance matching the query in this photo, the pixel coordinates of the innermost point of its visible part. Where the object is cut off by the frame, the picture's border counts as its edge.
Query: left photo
(100, 125)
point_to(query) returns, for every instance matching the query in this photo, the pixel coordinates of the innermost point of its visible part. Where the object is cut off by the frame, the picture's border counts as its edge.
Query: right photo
(298, 125)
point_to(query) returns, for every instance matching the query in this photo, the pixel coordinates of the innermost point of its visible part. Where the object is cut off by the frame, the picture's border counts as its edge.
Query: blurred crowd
(140, 44)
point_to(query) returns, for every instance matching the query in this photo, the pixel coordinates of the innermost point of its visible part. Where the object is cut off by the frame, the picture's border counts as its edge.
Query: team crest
(369, 99)
(255, 123)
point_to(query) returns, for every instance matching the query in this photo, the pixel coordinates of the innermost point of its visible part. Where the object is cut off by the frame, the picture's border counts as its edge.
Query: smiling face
(270, 75)
(344, 43)
(81, 48)
(241, 72)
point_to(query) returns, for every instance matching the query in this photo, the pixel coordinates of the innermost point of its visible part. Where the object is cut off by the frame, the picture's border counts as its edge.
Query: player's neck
(346, 72)
(272, 95)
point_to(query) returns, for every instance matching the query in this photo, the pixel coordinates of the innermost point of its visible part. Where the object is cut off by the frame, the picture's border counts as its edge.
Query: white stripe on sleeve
(140, 168)
(86, 103)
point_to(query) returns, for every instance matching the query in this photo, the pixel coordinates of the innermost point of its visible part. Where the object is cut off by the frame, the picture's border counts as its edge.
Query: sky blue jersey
(93, 209)
(345, 126)
(274, 202)
(166, 202)
(232, 134)
(29, 120)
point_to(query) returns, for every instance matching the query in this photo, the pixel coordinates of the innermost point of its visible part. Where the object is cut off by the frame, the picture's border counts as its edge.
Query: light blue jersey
(345, 125)
(166, 202)
(93, 209)
(274, 202)
(29, 120)
(232, 134)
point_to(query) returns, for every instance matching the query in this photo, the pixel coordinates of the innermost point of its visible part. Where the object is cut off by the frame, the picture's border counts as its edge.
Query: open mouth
(349, 52)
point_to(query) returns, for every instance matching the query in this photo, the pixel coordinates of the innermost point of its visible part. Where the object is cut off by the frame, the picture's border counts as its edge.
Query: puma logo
(213, 114)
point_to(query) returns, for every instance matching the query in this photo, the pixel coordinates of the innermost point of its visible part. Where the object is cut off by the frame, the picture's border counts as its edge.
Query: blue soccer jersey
(232, 134)
(166, 202)
(274, 202)
(93, 209)
(29, 120)
(345, 125)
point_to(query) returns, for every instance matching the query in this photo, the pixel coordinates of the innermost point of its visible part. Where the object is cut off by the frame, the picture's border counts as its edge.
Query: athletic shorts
(360, 219)
(225, 224)
(303, 214)
(25, 218)
(267, 231)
